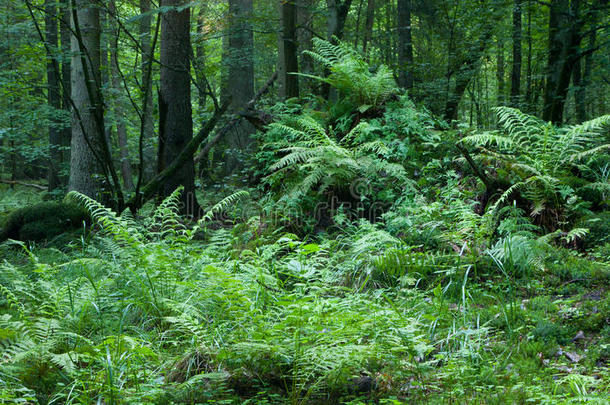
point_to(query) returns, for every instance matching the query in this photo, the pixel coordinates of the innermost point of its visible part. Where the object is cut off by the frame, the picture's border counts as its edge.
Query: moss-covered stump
(42, 221)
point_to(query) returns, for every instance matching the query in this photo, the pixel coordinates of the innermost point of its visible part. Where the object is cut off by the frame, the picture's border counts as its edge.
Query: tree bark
(304, 37)
(500, 76)
(337, 16)
(240, 80)
(289, 82)
(586, 78)
(564, 40)
(199, 62)
(53, 92)
(465, 71)
(175, 117)
(148, 150)
(65, 74)
(87, 115)
(118, 103)
(368, 26)
(528, 84)
(515, 90)
(405, 45)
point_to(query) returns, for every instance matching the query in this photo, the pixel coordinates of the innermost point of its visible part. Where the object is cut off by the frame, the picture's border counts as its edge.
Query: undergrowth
(371, 264)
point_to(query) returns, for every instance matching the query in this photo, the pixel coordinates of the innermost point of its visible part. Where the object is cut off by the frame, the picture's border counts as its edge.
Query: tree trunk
(405, 45)
(118, 103)
(337, 16)
(368, 26)
(66, 85)
(586, 78)
(240, 80)
(564, 40)
(515, 90)
(579, 102)
(148, 150)
(53, 92)
(199, 62)
(528, 84)
(304, 38)
(87, 115)
(500, 77)
(466, 70)
(175, 119)
(289, 83)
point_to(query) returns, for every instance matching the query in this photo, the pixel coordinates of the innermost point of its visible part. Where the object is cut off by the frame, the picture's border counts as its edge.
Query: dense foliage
(375, 260)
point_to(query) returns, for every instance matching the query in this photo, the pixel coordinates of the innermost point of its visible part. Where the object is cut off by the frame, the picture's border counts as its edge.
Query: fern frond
(223, 205)
(109, 221)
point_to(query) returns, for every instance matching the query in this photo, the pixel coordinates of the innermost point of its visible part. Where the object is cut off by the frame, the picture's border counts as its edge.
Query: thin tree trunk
(564, 41)
(465, 72)
(148, 150)
(289, 59)
(175, 118)
(515, 90)
(357, 30)
(579, 102)
(118, 105)
(528, 85)
(53, 92)
(405, 45)
(240, 79)
(305, 43)
(199, 61)
(586, 78)
(368, 26)
(500, 77)
(66, 85)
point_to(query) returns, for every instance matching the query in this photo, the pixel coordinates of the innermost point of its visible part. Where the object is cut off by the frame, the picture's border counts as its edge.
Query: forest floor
(142, 313)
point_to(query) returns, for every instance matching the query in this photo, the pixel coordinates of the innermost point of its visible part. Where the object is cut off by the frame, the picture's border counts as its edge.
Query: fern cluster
(539, 159)
(350, 74)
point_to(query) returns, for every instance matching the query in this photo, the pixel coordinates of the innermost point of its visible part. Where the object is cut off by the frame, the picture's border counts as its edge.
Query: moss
(42, 221)
(548, 331)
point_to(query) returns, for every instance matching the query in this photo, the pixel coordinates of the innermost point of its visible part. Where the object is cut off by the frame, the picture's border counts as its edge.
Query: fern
(120, 229)
(318, 162)
(350, 74)
(221, 206)
(540, 155)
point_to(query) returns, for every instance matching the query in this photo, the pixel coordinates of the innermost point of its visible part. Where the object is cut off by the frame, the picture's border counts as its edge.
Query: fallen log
(21, 183)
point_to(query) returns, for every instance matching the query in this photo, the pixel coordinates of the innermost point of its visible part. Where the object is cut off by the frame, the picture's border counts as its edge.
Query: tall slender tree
(53, 91)
(148, 158)
(564, 41)
(175, 117)
(289, 65)
(515, 89)
(305, 9)
(118, 104)
(405, 45)
(239, 57)
(66, 105)
(368, 26)
(500, 73)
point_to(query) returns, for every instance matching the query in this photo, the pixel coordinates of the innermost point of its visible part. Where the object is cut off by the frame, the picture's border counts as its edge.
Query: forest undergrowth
(382, 256)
